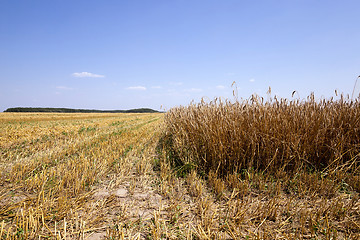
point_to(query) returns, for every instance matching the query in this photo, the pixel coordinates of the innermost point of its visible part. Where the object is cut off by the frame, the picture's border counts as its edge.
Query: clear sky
(122, 54)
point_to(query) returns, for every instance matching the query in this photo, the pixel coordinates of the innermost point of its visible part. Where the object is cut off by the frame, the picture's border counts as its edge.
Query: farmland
(219, 170)
(62, 173)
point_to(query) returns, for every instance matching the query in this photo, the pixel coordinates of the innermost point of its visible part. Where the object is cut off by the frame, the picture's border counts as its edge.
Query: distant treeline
(70, 110)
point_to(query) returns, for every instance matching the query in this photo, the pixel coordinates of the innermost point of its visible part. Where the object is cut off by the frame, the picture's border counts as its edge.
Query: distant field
(218, 170)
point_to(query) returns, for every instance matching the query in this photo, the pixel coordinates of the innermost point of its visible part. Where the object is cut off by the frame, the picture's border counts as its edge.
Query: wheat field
(277, 169)
(244, 169)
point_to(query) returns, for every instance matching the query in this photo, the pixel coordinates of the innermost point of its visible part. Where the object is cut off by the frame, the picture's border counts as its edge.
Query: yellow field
(179, 175)
(60, 172)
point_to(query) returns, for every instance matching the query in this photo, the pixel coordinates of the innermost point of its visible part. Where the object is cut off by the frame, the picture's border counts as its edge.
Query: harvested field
(72, 176)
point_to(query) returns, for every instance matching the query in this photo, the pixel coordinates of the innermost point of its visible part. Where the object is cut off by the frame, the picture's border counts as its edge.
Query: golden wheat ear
(352, 95)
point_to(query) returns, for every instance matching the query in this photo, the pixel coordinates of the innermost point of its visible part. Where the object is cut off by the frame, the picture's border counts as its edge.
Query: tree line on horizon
(70, 110)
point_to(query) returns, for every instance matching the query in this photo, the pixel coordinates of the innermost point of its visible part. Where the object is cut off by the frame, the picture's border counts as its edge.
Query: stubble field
(218, 170)
(74, 176)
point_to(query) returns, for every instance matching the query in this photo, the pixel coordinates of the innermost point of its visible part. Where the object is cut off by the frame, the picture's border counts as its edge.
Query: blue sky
(147, 53)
